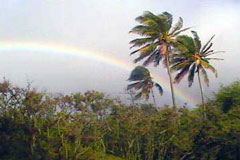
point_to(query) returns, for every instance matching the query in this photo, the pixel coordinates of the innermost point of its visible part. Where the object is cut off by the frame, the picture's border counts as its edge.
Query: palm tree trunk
(171, 81)
(132, 97)
(154, 100)
(201, 89)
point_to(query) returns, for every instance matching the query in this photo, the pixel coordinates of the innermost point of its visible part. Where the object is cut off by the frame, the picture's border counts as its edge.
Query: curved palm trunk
(154, 100)
(201, 89)
(171, 81)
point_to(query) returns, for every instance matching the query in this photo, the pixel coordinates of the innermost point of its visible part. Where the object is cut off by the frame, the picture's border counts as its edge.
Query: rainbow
(59, 48)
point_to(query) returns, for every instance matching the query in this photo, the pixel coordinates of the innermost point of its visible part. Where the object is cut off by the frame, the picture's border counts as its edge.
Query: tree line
(92, 126)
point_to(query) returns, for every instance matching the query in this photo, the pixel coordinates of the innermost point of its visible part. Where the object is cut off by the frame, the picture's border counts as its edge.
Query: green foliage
(228, 97)
(158, 36)
(91, 126)
(158, 39)
(142, 81)
(193, 58)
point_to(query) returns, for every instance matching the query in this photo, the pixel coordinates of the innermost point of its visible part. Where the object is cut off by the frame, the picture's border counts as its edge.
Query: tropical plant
(143, 82)
(158, 40)
(36, 125)
(228, 97)
(193, 58)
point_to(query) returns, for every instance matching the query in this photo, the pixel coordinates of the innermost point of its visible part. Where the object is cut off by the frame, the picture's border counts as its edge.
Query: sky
(100, 28)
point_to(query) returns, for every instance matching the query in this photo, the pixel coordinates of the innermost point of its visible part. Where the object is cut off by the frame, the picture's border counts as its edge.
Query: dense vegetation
(37, 126)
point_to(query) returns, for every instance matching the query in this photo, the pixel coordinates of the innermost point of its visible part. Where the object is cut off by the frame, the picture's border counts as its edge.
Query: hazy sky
(102, 26)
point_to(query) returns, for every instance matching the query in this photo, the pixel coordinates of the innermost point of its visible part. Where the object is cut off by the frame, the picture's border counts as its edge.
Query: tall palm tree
(193, 58)
(158, 39)
(143, 82)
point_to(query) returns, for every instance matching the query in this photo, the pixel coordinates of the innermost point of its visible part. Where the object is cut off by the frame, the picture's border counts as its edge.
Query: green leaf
(147, 45)
(206, 45)
(187, 44)
(181, 74)
(150, 59)
(178, 32)
(191, 75)
(167, 22)
(197, 41)
(212, 53)
(204, 52)
(141, 41)
(159, 88)
(209, 66)
(177, 26)
(136, 85)
(145, 30)
(139, 73)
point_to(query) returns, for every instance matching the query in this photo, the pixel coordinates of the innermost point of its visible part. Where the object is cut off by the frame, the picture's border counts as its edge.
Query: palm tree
(158, 39)
(193, 58)
(143, 82)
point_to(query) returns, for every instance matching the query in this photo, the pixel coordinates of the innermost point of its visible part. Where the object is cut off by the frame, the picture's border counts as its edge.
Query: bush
(91, 126)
